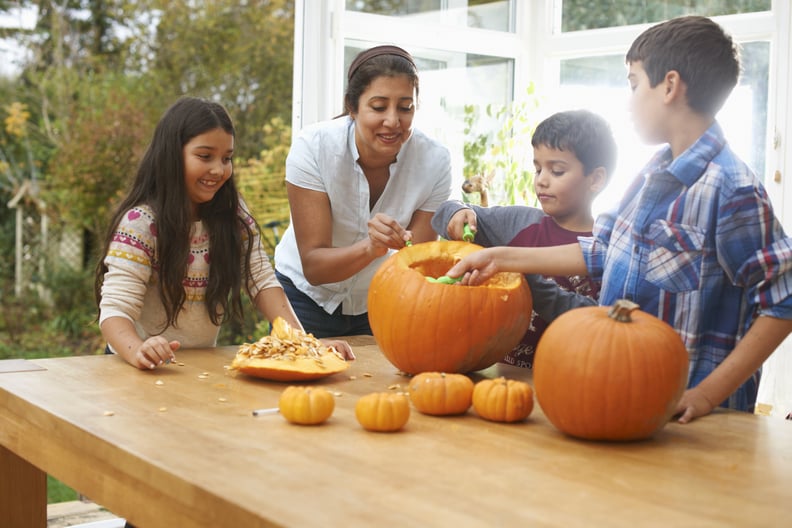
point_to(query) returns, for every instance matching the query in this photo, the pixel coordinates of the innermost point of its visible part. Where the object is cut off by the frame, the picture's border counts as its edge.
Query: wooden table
(179, 447)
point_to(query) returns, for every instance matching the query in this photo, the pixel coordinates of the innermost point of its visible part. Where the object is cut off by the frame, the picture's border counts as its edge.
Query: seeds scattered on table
(159, 382)
(109, 413)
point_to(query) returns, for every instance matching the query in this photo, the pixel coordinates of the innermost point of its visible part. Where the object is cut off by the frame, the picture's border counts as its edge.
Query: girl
(359, 187)
(182, 245)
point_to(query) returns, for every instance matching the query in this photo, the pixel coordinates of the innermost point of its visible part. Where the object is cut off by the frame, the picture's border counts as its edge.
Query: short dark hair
(705, 57)
(385, 65)
(587, 135)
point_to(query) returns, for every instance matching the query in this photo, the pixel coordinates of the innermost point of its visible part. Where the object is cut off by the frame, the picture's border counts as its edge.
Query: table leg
(23, 492)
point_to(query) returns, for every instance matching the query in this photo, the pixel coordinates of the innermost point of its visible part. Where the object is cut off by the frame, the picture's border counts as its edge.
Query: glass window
(600, 84)
(578, 15)
(494, 15)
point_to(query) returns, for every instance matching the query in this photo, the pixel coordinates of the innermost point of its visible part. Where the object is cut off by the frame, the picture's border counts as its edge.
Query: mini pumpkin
(383, 411)
(424, 326)
(503, 400)
(306, 405)
(622, 382)
(440, 393)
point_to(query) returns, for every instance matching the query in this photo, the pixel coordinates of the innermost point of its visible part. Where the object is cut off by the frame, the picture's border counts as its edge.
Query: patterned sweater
(130, 284)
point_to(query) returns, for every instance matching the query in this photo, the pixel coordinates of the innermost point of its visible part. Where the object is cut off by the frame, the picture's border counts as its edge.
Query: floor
(82, 514)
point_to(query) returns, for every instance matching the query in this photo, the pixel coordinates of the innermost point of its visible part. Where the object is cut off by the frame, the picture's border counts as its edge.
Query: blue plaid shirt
(695, 242)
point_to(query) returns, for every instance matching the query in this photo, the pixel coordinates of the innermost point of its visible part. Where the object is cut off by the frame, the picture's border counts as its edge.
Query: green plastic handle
(468, 234)
(444, 279)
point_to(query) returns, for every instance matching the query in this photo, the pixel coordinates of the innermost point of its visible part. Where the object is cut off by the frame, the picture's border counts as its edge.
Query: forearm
(272, 303)
(764, 336)
(335, 264)
(121, 335)
(553, 260)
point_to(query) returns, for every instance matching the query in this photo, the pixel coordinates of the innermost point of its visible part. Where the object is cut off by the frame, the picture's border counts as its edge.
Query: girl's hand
(386, 233)
(456, 226)
(474, 268)
(341, 346)
(153, 352)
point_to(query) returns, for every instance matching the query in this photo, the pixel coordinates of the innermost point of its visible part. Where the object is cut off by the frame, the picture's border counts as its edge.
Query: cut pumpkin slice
(288, 354)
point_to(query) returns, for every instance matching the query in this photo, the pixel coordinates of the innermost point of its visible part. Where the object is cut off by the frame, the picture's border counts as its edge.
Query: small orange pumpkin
(424, 326)
(503, 400)
(306, 405)
(383, 411)
(440, 393)
(621, 382)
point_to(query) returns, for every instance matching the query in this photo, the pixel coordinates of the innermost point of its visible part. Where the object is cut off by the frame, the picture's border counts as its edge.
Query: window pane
(577, 15)
(600, 84)
(495, 15)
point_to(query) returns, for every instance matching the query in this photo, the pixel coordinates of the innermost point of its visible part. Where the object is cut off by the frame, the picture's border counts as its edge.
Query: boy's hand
(693, 404)
(475, 268)
(456, 226)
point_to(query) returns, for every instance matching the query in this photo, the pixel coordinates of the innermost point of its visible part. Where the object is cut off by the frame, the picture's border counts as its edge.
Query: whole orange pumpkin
(306, 405)
(383, 411)
(440, 394)
(424, 326)
(610, 373)
(503, 400)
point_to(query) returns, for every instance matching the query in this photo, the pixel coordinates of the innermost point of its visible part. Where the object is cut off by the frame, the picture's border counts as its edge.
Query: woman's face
(207, 164)
(383, 120)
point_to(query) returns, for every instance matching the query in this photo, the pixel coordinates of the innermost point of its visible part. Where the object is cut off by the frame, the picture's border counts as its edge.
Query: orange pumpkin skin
(503, 400)
(610, 377)
(306, 405)
(441, 394)
(383, 411)
(422, 326)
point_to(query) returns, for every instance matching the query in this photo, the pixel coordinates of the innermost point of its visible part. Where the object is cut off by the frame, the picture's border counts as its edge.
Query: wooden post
(23, 492)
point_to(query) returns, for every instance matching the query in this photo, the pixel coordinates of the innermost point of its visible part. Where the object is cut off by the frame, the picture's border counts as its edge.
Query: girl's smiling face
(207, 164)
(384, 118)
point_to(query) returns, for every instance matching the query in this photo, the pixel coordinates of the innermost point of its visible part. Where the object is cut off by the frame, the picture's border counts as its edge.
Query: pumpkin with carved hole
(383, 411)
(503, 400)
(424, 326)
(621, 382)
(441, 393)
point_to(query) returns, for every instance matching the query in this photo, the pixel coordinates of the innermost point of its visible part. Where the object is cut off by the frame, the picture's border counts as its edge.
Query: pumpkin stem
(621, 310)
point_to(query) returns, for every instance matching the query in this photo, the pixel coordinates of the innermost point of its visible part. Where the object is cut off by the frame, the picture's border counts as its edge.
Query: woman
(360, 186)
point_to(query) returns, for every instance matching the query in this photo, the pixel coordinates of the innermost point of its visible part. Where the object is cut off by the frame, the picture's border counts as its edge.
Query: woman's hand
(456, 226)
(385, 233)
(341, 346)
(153, 352)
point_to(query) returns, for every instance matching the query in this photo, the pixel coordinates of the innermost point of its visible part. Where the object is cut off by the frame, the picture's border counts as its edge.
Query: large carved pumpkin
(423, 326)
(609, 373)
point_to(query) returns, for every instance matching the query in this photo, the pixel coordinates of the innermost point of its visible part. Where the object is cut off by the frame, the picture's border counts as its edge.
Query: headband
(376, 51)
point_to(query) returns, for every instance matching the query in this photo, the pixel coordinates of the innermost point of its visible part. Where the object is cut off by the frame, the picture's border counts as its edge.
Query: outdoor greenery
(79, 113)
(505, 152)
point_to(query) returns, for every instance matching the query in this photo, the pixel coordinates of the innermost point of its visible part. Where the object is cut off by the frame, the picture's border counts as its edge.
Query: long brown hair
(159, 184)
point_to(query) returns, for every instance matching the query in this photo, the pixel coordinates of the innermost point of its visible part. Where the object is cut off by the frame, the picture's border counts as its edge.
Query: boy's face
(562, 187)
(647, 105)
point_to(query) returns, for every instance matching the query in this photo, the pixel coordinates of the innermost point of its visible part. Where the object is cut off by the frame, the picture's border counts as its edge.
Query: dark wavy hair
(159, 184)
(706, 58)
(583, 133)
